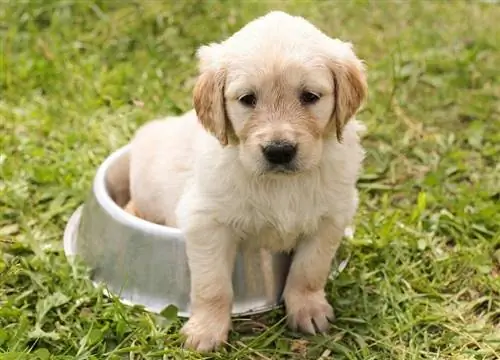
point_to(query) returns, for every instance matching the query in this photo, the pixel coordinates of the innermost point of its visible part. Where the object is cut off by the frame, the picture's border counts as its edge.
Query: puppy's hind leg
(131, 209)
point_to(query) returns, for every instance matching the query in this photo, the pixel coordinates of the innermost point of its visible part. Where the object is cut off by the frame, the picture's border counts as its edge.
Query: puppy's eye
(249, 100)
(308, 98)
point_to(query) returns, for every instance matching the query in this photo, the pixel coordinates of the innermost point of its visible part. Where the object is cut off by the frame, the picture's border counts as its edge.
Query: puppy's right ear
(208, 96)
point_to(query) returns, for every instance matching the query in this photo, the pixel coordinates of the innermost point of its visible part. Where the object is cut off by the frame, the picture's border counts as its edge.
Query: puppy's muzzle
(280, 153)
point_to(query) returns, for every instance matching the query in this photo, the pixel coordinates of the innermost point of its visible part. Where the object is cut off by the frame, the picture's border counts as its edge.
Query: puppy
(269, 157)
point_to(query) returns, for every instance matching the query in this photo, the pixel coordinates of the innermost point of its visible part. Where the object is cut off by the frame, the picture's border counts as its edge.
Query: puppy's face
(279, 110)
(277, 89)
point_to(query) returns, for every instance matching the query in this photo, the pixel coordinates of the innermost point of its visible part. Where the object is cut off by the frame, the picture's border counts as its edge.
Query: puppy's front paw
(308, 312)
(205, 332)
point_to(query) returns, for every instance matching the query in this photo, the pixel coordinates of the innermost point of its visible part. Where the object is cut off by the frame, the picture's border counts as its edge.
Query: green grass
(420, 279)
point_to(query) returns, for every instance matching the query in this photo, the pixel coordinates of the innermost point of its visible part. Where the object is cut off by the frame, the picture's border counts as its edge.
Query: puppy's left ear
(208, 96)
(350, 91)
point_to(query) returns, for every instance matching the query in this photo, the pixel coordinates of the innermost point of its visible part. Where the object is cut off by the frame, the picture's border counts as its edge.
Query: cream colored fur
(204, 171)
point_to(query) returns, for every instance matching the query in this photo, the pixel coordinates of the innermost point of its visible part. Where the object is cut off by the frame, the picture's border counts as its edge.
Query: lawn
(419, 280)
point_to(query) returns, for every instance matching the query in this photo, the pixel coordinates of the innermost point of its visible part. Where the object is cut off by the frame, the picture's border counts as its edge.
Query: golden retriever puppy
(269, 157)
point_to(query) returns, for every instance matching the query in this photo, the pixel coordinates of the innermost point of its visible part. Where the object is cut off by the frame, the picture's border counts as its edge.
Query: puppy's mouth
(284, 169)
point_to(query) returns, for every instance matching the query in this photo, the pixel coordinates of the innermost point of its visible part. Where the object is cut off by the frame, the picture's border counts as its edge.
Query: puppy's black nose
(279, 152)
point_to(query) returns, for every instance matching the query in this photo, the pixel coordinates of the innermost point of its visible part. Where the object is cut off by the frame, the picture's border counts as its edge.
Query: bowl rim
(104, 199)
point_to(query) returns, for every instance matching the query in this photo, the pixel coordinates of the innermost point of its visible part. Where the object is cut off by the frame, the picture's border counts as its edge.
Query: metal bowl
(145, 264)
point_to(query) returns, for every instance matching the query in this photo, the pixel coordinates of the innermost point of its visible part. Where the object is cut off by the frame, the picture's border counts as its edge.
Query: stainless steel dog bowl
(144, 263)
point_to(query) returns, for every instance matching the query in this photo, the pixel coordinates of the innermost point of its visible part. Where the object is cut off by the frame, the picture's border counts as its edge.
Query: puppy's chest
(276, 217)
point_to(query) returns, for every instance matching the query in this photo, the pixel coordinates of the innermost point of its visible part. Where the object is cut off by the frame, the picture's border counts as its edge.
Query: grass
(420, 279)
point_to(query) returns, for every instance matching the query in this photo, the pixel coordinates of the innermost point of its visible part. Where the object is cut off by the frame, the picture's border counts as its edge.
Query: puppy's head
(277, 89)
